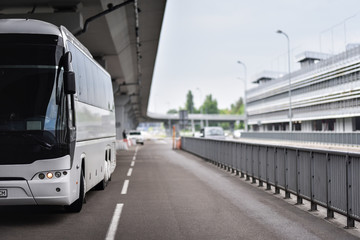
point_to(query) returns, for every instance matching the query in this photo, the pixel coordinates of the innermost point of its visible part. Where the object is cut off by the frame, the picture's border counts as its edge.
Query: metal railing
(326, 178)
(335, 138)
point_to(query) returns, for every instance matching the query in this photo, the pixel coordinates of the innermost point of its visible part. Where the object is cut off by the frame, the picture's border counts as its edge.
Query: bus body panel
(94, 159)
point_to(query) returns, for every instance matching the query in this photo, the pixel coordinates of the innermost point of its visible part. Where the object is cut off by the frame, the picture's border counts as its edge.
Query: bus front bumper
(35, 192)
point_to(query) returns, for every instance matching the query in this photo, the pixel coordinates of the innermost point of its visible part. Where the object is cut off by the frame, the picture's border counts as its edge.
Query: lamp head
(279, 31)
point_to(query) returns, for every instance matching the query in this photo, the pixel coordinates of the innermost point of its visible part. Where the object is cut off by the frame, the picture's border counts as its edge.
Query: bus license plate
(3, 193)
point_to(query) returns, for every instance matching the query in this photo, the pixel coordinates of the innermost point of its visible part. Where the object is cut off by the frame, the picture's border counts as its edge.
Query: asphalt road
(160, 193)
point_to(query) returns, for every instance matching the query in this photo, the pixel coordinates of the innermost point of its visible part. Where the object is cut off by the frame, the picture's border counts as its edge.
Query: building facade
(325, 96)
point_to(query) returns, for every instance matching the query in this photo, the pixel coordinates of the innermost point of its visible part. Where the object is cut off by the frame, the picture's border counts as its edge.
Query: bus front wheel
(77, 205)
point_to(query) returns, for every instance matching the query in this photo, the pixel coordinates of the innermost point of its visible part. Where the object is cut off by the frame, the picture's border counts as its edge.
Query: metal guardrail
(327, 178)
(336, 138)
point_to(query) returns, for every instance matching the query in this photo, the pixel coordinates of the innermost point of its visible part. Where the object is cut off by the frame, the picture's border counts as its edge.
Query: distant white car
(212, 132)
(197, 134)
(136, 136)
(237, 133)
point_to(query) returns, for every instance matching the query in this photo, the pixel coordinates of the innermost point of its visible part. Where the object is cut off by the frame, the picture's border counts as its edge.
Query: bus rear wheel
(102, 185)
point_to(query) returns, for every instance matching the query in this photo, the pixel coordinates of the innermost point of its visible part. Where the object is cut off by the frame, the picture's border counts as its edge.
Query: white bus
(57, 118)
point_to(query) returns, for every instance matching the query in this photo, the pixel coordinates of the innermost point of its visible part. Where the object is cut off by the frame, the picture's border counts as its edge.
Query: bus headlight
(49, 175)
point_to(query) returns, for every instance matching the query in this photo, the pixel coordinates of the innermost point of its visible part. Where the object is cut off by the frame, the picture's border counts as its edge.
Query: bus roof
(28, 26)
(32, 26)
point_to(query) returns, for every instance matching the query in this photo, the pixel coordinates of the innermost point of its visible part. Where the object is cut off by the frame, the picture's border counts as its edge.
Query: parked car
(136, 136)
(212, 132)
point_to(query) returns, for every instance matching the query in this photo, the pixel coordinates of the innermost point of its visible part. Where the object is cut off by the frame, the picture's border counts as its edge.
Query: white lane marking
(129, 172)
(132, 163)
(134, 158)
(136, 149)
(125, 187)
(114, 222)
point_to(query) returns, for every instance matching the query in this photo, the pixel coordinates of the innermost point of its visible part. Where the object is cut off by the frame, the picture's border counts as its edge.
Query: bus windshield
(29, 94)
(30, 117)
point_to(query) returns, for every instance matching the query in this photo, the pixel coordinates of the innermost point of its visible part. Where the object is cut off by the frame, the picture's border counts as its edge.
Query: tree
(172, 111)
(237, 107)
(210, 105)
(189, 105)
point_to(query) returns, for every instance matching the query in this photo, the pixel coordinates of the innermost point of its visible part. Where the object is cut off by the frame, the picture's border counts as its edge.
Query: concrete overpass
(192, 118)
(198, 117)
(123, 39)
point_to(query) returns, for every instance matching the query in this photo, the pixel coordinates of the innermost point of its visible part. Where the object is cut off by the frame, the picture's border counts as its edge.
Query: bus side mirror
(69, 76)
(69, 82)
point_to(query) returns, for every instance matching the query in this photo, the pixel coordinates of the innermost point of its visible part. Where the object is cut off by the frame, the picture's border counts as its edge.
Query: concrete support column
(129, 123)
(123, 115)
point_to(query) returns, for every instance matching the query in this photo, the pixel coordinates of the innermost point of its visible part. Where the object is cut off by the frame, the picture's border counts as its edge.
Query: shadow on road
(36, 215)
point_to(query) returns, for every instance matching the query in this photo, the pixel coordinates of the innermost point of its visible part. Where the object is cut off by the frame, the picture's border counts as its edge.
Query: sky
(202, 40)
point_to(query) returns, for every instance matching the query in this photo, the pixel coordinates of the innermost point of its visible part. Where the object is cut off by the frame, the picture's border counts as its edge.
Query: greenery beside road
(210, 106)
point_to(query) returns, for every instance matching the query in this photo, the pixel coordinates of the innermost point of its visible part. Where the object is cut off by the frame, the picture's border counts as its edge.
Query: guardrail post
(233, 158)
(242, 175)
(228, 157)
(330, 213)
(286, 172)
(312, 178)
(237, 157)
(219, 153)
(246, 164)
(252, 164)
(299, 200)
(350, 221)
(259, 168)
(277, 189)
(268, 185)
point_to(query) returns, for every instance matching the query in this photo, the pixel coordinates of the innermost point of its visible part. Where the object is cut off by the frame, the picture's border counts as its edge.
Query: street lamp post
(289, 74)
(246, 120)
(201, 111)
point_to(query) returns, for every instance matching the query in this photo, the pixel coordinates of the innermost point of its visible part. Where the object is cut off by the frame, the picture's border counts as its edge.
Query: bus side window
(80, 77)
(104, 100)
(97, 86)
(109, 97)
(90, 83)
